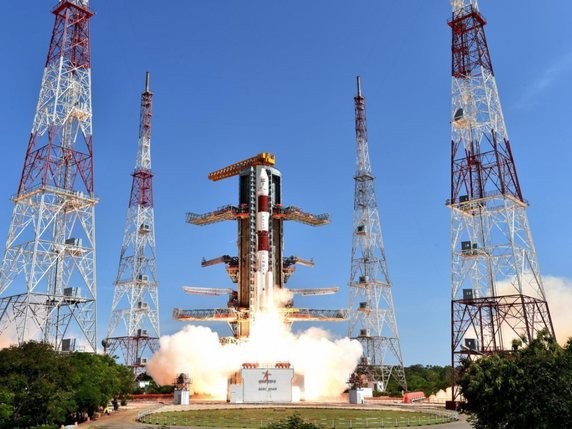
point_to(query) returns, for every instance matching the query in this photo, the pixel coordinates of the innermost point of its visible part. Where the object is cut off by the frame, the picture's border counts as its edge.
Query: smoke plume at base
(324, 363)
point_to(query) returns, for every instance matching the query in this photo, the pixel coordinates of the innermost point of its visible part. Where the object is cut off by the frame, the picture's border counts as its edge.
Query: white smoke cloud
(559, 297)
(325, 363)
(8, 338)
(558, 291)
(441, 396)
(6, 341)
(195, 350)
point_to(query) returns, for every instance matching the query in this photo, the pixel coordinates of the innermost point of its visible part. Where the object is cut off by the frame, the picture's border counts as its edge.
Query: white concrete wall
(267, 384)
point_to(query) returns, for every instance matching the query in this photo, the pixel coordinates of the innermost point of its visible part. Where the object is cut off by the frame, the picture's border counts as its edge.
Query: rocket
(264, 275)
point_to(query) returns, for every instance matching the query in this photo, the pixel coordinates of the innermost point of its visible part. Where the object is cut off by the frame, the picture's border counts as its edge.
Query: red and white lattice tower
(371, 318)
(496, 288)
(47, 278)
(134, 324)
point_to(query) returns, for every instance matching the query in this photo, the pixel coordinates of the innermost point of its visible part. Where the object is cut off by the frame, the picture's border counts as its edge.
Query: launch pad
(256, 383)
(260, 271)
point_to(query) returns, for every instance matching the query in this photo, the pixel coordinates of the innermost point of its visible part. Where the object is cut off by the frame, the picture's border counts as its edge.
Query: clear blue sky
(235, 78)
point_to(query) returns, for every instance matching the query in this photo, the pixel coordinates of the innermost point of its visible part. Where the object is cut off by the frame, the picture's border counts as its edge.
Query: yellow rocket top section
(263, 158)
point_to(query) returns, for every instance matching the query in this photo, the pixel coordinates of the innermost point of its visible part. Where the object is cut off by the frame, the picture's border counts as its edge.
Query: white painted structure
(357, 396)
(235, 393)
(182, 397)
(263, 385)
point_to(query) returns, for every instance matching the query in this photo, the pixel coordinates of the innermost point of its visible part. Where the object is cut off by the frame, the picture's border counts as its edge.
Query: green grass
(323, 417)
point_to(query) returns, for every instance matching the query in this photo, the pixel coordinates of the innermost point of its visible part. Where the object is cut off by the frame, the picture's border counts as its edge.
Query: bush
(528, 388)
(295, 421)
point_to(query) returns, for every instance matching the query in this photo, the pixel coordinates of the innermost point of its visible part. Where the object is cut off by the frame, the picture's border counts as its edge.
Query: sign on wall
(267, 384)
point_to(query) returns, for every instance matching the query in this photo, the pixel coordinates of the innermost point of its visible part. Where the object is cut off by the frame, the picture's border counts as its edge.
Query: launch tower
(496, 288)
(372, 318)
(260, 270)
(134, 324)
(47, 277)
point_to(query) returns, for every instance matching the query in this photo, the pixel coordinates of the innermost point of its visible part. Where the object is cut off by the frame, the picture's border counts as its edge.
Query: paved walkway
(122, 418)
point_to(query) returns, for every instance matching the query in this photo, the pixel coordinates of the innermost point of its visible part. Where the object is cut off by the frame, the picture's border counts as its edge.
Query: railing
(488, 195)
(310, 314)
(296, 214)
(227, 212)
(148, 412)
(341, 423)
(216, 314)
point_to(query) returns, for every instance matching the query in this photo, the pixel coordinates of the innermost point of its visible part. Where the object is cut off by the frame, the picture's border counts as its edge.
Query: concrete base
(181, 397)
(357, 396)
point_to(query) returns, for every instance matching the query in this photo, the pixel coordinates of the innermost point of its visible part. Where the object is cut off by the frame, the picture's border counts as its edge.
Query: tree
(100, 379)
(529, 388)
(6, 405)
(39, 386)
(35, 386)
(427, 378)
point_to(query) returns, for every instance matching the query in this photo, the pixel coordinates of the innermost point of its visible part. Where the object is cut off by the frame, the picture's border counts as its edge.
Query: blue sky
(235, 78)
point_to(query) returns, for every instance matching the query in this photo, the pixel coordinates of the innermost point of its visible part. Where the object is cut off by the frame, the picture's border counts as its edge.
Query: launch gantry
(497, 293)
(260, 269)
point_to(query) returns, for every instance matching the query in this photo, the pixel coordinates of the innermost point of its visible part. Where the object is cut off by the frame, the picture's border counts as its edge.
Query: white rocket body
(264, 275)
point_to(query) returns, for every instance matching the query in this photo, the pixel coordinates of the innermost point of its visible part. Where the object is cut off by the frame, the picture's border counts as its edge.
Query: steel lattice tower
(372, 316)
(47, 278)
(134, 323)
(496, 288)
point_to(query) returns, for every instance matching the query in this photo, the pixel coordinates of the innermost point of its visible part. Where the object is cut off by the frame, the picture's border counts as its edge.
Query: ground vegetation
(531, 387)
(422, 378)
(41, 388)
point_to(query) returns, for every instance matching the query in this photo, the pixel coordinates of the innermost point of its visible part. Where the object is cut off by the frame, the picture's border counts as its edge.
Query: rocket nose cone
(262, 182)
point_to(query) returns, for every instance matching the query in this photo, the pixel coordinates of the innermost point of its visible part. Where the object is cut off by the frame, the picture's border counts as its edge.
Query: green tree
(426, 378)
(6, 405)
(42, 388)
(36, 386)
(529, 388)
(99, 379)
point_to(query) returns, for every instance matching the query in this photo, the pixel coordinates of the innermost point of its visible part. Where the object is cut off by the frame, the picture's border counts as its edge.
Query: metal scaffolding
(47, 277)
(372, 318)
(497, 293)
(134, 324)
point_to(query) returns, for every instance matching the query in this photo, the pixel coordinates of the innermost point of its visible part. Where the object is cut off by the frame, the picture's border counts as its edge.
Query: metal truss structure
(232, 315)
(134, 324)
(47, 277)
(230, 212)
(497, 293)
(244, 302)
(371, 318)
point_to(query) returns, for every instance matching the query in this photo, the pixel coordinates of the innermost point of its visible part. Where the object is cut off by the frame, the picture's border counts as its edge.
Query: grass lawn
(323, 417)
